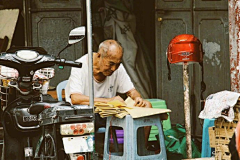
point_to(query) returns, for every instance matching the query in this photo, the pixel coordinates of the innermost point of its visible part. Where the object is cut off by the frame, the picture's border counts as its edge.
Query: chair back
(59, 89)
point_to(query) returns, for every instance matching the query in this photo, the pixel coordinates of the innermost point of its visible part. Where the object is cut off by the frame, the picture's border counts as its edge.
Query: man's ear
(98, 54)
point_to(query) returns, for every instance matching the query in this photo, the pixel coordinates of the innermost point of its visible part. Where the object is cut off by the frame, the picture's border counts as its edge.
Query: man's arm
(78, 98)
(135, 95)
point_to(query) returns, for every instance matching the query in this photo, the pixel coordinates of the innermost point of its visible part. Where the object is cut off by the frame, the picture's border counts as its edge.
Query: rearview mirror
(76, 35)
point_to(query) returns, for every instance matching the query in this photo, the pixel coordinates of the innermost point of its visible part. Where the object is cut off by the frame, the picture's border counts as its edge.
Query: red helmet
(185, 48)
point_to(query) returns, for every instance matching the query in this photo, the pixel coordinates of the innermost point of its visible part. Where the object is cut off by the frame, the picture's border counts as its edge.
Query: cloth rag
(216, 103)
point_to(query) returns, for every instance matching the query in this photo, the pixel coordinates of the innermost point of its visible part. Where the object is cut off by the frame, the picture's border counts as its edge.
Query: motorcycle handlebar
(63, 62)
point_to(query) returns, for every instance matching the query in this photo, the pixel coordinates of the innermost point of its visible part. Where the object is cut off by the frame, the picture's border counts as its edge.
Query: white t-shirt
(78, 82)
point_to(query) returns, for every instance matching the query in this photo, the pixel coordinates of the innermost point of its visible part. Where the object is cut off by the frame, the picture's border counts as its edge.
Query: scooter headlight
(27, 54)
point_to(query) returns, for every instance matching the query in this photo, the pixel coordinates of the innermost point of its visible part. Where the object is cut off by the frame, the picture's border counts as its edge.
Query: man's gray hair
(104, 46)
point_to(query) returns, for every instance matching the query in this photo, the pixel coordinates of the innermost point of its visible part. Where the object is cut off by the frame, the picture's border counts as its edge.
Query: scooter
(35, 125)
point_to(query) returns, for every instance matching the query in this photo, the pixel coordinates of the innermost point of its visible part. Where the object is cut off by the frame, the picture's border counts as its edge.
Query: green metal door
(48, 23)
(207, 20)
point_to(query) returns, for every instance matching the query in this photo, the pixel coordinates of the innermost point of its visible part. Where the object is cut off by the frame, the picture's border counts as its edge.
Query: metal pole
(90, 61)
(90, 54)
(187, 110)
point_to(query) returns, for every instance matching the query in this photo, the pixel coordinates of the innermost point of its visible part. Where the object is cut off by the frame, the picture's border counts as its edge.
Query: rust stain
(234, 43)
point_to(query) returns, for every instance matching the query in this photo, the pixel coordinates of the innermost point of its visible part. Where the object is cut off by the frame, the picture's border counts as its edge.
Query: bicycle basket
(48, 72)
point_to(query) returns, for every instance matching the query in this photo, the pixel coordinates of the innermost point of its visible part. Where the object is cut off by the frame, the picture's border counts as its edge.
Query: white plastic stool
(130, 127)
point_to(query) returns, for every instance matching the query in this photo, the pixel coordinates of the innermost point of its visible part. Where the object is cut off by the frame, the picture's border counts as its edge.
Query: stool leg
(161, 141)
(106, 140)
(113, 132)
(141, 149)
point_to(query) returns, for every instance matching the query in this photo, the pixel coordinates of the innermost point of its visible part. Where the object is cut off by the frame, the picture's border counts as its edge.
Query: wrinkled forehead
(114, 59)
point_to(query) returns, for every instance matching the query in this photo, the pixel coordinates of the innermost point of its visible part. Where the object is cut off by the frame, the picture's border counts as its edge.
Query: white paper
(75, 144)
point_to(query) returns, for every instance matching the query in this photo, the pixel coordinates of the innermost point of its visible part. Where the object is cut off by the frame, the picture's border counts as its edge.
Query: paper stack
(112, 108)
(120, 109)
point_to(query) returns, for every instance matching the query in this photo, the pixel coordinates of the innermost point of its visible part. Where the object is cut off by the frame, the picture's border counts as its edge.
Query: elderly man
(110, 78)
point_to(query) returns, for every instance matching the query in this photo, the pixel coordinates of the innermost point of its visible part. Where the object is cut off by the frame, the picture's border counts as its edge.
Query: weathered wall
(234, 42)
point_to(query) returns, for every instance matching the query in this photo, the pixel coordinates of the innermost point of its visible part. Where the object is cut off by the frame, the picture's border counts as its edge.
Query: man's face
(110, 63)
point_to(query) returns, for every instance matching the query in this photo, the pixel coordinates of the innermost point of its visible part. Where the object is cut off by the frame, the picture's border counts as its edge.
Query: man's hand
(139, 102)
(148, 104)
